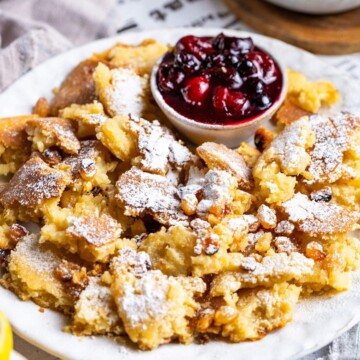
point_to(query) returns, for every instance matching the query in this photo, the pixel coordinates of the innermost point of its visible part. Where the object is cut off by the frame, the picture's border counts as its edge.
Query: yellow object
(310, 96)
(6, 340)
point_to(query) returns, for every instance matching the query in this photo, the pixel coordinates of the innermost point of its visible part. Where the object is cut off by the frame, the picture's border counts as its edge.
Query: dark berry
(170, 77)
(215, 61)
(266, 69)
(254, 86)
(229, 77)
(196, 90)
(219, 42)
(233, 45)
(247, 68)
(188, 62)
(228, 101)
(240, 45)
(233, 59)
(262, 102)
(193, 45)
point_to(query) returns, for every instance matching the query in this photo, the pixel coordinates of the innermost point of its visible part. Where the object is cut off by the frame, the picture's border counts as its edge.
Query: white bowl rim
(228, 127)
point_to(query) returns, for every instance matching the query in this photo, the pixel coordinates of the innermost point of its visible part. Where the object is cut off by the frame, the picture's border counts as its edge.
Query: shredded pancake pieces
(140, 234)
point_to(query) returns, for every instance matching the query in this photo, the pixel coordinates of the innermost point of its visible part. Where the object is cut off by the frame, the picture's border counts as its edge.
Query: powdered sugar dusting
(248, 264)
(332, 139)
(279, 267)
(253, 238)
(130, 260)
(158, 147)
(266, 216)
(284, 244)
(252, 221)
(318, 217)
(146, 300)
(145, 297)
(96, 119)
(238, 225)
(96, 299)
(284, 227)
(206, 240)
(216, 192)
(89, 151)
(41, 259)
(218, 156)
(58, 129)
(94, 230)
(194, 184)
(34, 182)
(127, 93)
(141, 192)
(290, 147)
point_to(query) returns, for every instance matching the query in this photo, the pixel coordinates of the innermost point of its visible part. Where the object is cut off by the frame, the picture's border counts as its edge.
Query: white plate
(316, 321)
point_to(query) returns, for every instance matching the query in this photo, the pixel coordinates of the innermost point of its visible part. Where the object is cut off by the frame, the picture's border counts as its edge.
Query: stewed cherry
(193, 45)
(228, 101)
(196, 90)
(220, 80)
(265, 66)
(228, 76)
(170, 77)
(233, 45)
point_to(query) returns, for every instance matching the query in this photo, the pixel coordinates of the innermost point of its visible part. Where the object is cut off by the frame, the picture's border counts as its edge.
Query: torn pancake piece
(318, 218)
(90, 167)
(48, 132)
(15, 148)
(116, 135)
(140, 58)
(158, 147)
(77, 88)
(332, 140)
(143, 193)
(33, 184)
(261, 311)
(286, 157)
(32, 274)
(272, 269)
(153, 307)
(95, 236)
(95, 311)
(121, 90)
(219, 157)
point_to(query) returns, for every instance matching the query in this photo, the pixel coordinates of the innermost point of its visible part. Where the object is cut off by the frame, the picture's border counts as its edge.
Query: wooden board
(321, 34)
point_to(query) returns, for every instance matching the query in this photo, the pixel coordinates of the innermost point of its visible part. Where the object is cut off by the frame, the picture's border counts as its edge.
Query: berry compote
(220, 80)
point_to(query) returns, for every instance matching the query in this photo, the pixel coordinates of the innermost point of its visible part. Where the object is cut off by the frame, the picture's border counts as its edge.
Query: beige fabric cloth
(27, 39)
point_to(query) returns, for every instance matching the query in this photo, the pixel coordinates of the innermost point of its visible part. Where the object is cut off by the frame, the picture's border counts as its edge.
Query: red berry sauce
(220, 80)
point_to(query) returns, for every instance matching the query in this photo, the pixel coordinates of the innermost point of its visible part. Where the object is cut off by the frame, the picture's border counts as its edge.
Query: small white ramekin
(230, 135)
